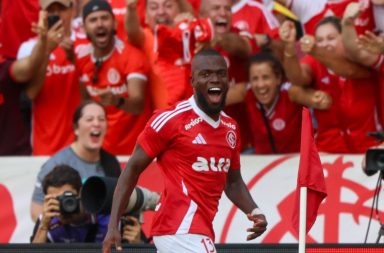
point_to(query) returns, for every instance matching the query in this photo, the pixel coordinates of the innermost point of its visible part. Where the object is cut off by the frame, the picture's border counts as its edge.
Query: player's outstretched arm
(238, 193)
(125, 185)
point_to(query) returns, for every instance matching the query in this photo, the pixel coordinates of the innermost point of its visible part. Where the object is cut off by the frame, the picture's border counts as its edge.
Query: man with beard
(197, 149)
(115, 74)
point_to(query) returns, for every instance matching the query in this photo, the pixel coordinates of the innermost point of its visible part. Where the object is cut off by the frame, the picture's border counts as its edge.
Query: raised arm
(349, 36)
(125, 185)
(36, 81)
(340, 65)
(24, 69)
(297, 73)
(132, 25)
(238, 193)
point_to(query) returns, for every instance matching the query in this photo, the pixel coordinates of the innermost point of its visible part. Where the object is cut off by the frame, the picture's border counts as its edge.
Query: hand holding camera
(131, 229)
(66, 204)
(51, 208)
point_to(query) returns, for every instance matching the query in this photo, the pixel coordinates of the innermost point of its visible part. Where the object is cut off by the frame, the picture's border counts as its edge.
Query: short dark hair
(208, 52)
(268, 57)
(335, 21)
(61, 175)
(79, 111)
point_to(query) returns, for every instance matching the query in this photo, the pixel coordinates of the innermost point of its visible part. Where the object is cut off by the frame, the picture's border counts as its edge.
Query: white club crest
(278, 124)
(231, 139)
(113, 76)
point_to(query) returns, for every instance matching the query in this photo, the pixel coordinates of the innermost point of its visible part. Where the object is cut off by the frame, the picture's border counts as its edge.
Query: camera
(69, 203)
(374, 159)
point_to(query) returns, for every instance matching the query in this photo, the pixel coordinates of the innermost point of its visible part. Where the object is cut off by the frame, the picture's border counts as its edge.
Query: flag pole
(303, 219)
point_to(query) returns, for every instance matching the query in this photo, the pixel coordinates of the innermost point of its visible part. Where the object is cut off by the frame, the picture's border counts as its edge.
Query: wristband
(256, 211)
(120, 102)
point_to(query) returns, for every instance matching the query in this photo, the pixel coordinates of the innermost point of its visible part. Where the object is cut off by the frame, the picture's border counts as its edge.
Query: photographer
(64, 220)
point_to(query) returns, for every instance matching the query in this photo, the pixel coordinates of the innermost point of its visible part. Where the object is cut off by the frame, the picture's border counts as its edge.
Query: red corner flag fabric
(310, 174)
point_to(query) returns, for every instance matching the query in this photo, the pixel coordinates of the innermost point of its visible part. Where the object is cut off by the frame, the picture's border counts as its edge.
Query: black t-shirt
(14, 134)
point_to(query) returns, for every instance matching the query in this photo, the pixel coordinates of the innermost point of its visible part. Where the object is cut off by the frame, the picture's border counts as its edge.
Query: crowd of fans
(134, 56)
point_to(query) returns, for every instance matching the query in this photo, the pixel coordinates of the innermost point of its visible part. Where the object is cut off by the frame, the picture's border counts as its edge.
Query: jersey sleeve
(26, 49)
(137, 66)
(156, 136)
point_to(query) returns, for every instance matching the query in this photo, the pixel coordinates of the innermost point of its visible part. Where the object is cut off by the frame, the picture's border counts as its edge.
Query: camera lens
(69, 205)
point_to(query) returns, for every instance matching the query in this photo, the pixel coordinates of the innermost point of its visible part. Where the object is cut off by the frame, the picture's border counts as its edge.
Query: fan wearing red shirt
(345, 125)
(115, 74)
(253, 17)
(57, 92)
(274, 119)
(197, 148)
(311, 12)
(366, 49)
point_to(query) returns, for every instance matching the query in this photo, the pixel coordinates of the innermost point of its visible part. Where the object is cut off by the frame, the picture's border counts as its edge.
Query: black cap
(96, 5)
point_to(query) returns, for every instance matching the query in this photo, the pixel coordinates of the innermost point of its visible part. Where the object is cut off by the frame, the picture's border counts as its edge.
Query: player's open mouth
(215, 95)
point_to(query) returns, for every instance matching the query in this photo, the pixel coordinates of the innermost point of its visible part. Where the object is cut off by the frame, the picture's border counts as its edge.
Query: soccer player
(197, 148)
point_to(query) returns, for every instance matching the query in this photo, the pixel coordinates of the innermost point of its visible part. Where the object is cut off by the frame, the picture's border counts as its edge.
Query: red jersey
(15, 28)
(358, 107)
(343, 128)
(252, 17)
(284, 119)
(122, 64)
(311, 12)
(194, 153)
(55, 104)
